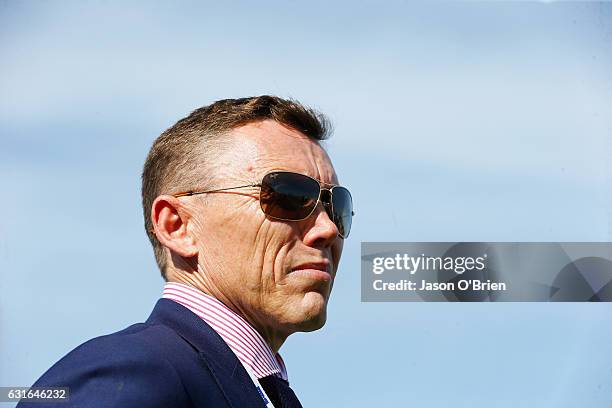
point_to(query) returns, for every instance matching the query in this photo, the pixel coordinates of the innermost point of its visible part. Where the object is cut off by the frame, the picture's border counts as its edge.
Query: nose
(321, 232)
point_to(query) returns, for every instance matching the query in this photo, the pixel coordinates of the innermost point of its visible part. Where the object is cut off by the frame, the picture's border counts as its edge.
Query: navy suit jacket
(174, 359)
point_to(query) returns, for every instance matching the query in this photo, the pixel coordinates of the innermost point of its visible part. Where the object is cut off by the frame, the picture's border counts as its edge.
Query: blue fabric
(174, 359)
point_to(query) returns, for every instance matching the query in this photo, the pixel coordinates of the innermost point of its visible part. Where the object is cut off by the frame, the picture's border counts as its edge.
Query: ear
(170, 221)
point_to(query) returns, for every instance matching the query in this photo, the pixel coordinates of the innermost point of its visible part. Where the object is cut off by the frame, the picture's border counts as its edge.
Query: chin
(314, 323)
(313, 313)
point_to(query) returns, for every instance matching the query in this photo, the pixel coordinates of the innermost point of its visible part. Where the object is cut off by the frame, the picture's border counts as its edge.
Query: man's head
(266, 269)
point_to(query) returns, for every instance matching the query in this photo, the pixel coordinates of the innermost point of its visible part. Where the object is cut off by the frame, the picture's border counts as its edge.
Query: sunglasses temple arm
(190, 193)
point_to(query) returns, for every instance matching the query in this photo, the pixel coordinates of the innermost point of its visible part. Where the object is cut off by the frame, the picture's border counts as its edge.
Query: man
(247, 221)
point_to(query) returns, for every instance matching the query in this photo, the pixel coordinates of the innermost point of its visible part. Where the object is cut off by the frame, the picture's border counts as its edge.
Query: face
(278, 274)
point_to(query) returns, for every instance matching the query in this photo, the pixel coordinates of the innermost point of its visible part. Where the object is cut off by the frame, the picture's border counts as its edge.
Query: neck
(274, 338)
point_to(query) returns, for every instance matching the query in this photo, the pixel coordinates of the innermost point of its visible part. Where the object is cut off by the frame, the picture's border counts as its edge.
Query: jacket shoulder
(137, 366)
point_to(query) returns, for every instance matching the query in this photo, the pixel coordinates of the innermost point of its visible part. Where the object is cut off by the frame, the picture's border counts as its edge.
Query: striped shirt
(246, 343)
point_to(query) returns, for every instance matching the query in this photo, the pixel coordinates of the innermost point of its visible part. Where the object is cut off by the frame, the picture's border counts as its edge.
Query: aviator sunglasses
(289, 196)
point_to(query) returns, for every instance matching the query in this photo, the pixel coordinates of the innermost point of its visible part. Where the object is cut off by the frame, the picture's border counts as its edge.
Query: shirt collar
(246, 343)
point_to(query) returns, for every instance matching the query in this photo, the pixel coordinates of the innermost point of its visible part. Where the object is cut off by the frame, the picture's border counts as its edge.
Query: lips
(318, 271)
(320, 266)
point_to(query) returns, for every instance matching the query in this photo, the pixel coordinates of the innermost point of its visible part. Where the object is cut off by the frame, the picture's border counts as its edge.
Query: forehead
(268, 145)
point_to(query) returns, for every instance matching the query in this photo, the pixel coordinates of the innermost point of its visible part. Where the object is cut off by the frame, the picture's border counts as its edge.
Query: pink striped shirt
(246, 343)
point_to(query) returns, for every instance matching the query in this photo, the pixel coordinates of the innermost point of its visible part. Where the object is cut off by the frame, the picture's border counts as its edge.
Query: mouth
(320, 271)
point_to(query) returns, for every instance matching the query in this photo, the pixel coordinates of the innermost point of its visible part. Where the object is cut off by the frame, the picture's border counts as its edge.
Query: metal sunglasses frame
(322, 187)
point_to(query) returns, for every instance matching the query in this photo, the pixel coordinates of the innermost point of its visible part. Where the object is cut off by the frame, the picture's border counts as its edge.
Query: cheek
(276, 262)
(229, 234)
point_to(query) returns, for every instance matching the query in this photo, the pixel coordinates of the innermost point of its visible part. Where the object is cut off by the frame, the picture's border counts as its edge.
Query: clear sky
(454, 121)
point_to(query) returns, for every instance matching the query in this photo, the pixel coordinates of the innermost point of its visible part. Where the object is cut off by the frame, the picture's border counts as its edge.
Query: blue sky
(454, 121)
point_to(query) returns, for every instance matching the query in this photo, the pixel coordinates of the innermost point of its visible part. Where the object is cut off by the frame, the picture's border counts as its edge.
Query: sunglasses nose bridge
(325, 198)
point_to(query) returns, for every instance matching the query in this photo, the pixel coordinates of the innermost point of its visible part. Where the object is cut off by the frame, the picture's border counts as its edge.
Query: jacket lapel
(229, 373)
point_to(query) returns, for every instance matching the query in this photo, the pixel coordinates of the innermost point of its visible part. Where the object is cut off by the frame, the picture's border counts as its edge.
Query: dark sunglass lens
(288, 196)
(343, 210)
